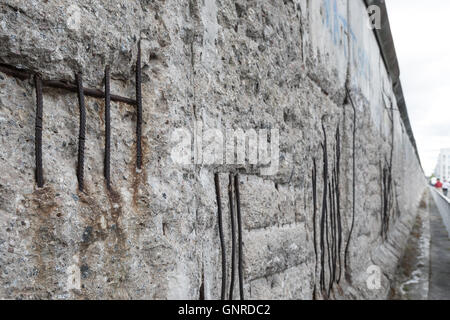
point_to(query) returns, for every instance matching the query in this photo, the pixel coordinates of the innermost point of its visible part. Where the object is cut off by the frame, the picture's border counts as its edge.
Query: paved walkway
(411, 281)
(439, 288)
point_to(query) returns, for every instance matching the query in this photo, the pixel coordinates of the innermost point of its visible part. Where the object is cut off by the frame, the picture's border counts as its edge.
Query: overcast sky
(421, 31)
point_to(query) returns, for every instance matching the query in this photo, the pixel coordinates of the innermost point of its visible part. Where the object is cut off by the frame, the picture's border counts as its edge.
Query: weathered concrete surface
(239, 64)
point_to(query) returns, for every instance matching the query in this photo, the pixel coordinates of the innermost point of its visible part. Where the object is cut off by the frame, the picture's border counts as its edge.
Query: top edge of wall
(389, 55)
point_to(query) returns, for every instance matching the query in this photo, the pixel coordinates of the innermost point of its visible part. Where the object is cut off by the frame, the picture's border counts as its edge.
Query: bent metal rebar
(330, 220)
(24, 74)
(349, 96)
(234, 202)
(39, 83)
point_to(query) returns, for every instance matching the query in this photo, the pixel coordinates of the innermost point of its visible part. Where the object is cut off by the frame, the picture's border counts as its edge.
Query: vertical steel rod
(107, 163)
(239, 223)
(139, 109)
(82, 132)
(222, 242)
(314, 189)
(233, 235)
(338, 199)
(38, 131)
(353, 182)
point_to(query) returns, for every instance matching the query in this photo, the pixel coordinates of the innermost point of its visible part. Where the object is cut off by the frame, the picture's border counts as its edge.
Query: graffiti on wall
(340, 29)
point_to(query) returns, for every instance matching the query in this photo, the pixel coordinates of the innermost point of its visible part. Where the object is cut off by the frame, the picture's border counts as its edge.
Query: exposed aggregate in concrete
(239, 64)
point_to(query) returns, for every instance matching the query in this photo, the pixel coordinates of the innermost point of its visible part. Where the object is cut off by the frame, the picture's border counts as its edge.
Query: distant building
(442, 170)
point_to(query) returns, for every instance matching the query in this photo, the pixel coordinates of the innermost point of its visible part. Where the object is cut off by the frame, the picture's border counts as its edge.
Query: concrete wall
(295, 66)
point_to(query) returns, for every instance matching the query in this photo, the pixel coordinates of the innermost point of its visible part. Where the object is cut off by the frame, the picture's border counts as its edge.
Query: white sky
(421, 31)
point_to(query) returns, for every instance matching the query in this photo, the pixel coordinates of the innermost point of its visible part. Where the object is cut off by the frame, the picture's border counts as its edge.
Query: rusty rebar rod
(107, 163)
(354, 180)
(327, 211)
(338, 200)
(12, 71)
(139, 109)
(314, 190)
(38, 131)
(24, 74)
(222, 242)
(233, 234)
(95, 93)
(82, 132)
(323, 218)
(239, 223)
